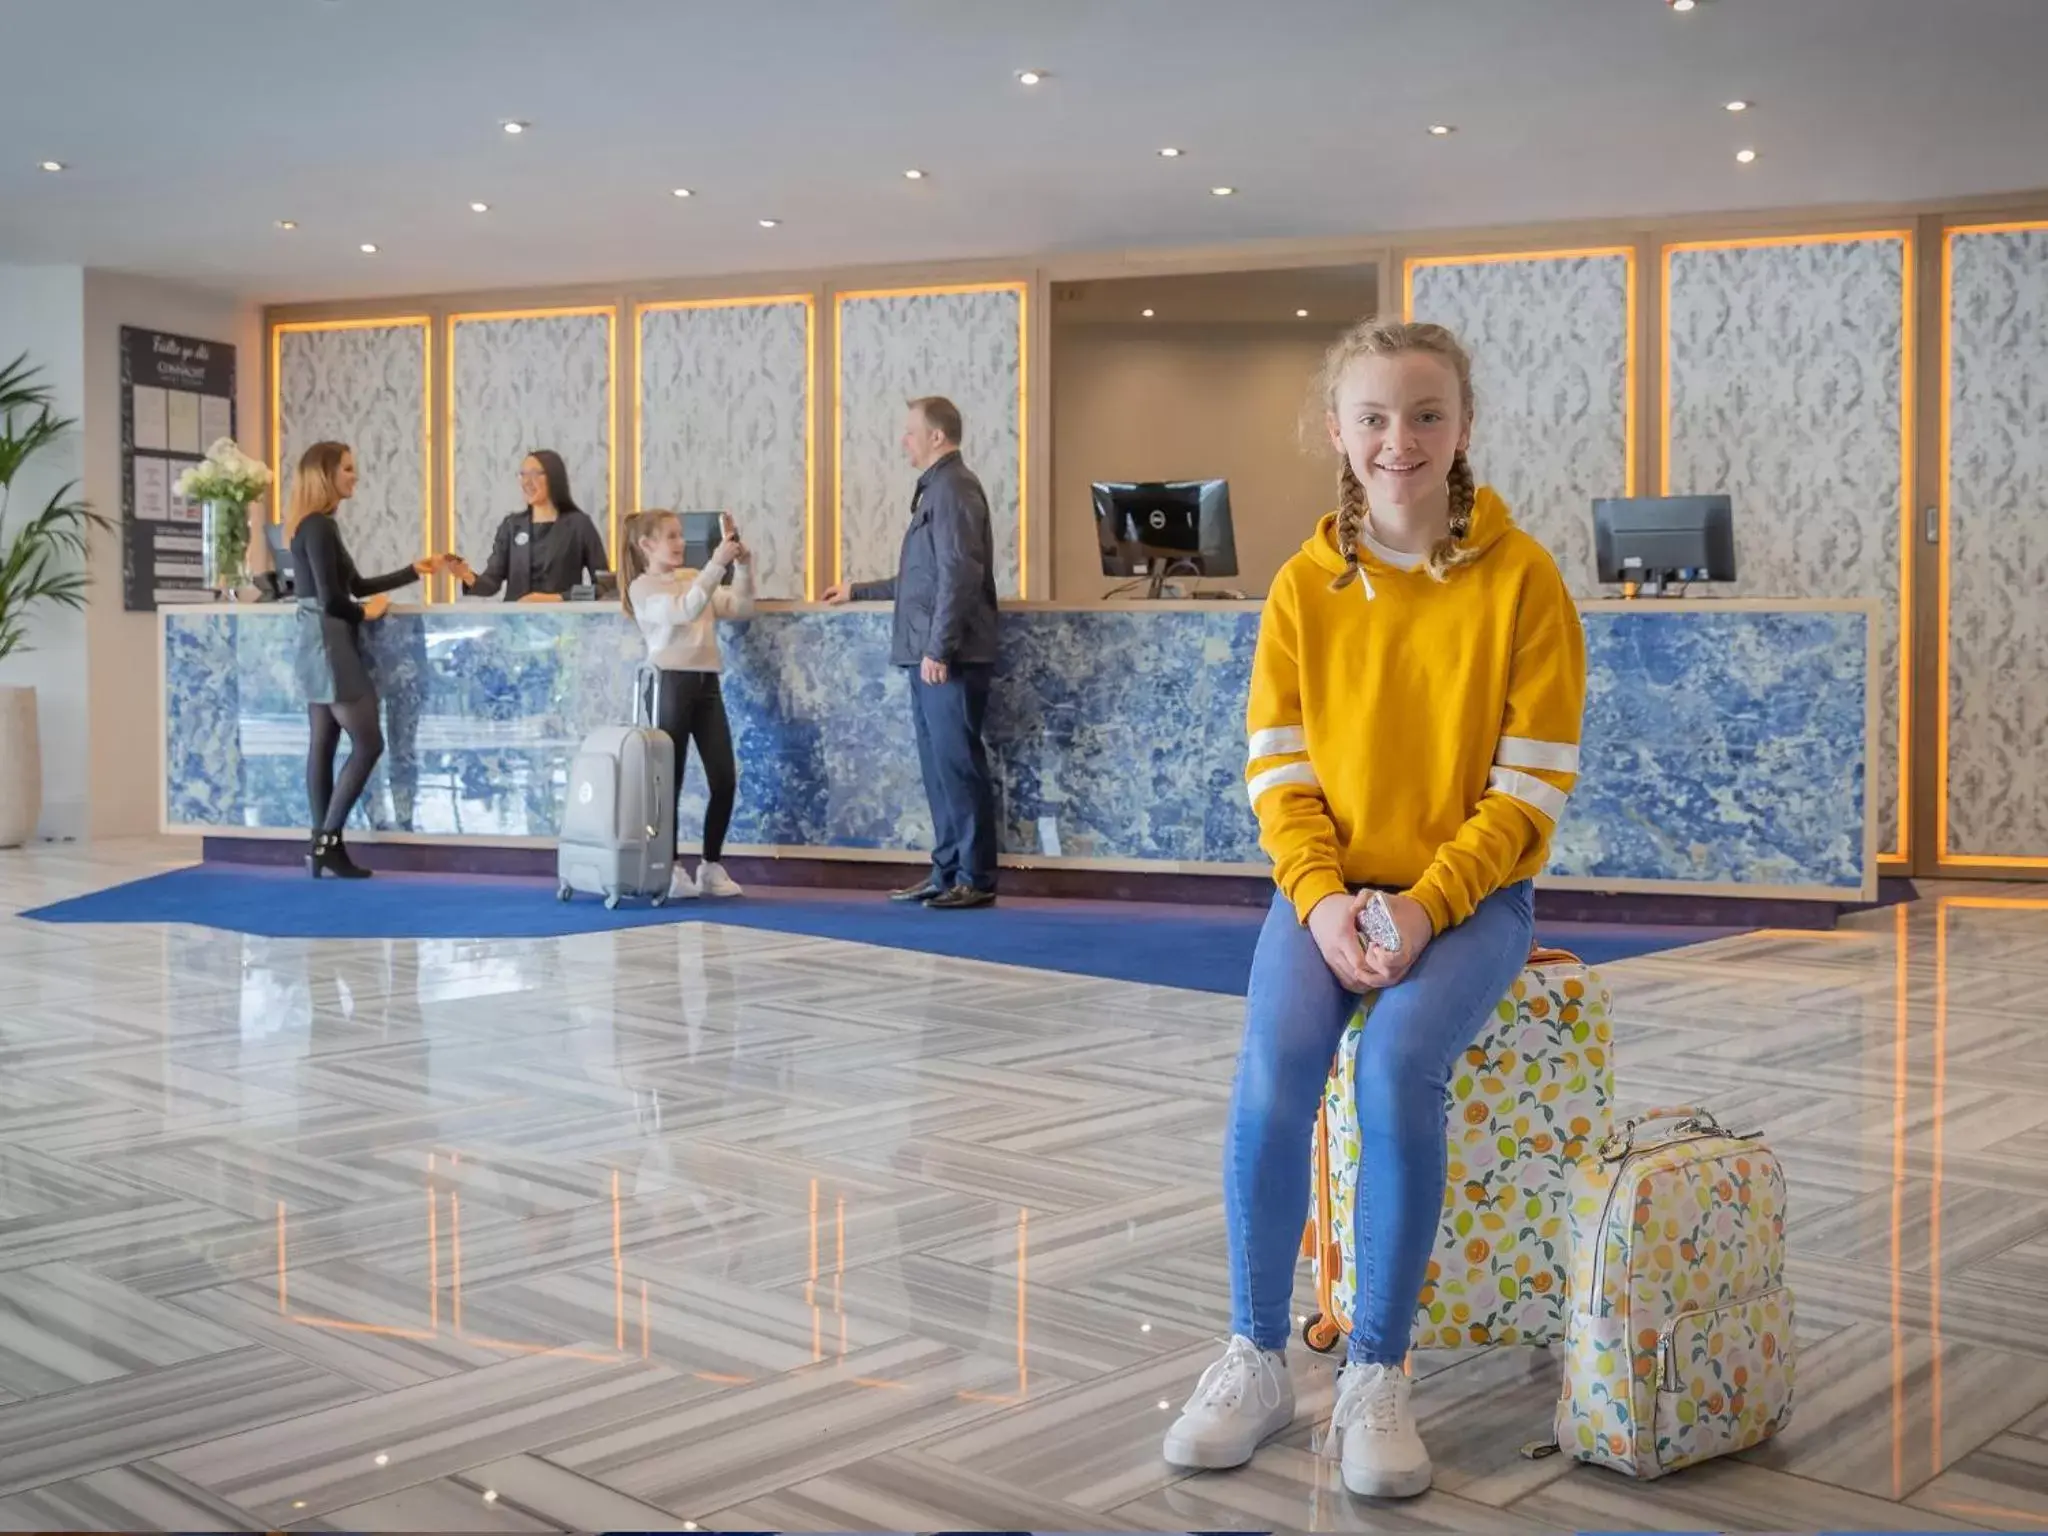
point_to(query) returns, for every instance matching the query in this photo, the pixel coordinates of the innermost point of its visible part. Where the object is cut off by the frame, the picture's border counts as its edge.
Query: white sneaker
(680, 886)
(1241, 1402)
(1375, 1428)
(712, 880)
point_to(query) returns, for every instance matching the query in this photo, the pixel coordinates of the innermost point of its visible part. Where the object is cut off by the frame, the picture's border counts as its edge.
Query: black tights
(690, 706)
(331, 802)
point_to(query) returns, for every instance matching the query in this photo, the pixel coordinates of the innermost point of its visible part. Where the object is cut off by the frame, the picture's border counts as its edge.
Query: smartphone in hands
(1377, 924)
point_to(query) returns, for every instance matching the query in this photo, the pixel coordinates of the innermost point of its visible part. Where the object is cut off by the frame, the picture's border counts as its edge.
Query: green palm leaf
(44, 559)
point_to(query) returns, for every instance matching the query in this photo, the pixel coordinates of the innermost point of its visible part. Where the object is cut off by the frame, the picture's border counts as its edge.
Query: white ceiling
(192, 125)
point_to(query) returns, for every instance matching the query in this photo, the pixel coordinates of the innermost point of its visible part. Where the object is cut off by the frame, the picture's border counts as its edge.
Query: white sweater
(679, 613)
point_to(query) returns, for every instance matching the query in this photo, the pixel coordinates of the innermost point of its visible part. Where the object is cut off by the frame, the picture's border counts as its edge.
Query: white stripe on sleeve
(1530, 790)
(1287, 773)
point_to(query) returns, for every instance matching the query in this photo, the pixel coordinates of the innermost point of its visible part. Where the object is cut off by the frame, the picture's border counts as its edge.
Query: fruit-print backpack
(1679, 1344)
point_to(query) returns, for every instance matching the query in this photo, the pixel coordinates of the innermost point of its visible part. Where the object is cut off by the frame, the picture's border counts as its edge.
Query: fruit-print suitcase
(1529, 1097)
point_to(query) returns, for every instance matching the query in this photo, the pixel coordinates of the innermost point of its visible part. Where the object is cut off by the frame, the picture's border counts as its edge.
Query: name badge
(519, 538)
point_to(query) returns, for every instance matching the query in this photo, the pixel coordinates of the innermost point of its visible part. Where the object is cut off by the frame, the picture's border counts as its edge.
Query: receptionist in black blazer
(543, 552)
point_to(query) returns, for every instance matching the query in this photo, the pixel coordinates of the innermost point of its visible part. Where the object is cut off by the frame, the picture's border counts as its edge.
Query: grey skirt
(328, 660)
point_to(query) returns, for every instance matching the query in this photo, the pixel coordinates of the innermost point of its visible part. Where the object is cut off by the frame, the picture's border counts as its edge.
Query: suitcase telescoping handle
(1692, 1120)
(645, 681)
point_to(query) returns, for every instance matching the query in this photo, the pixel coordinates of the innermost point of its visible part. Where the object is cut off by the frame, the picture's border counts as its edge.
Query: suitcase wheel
(1320, 1335)
(611, 901)
(563, 893)
(658, 900)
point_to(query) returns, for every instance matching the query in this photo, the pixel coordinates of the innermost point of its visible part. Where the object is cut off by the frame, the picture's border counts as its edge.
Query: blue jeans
(1295, 1014)
(957, 783)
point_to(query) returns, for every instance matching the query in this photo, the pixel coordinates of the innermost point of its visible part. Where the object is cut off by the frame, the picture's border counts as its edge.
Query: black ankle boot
(329, 857)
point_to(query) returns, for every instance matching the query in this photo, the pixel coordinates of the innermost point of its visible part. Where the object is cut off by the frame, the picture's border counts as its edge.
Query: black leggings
(331, 802)
(690, 706)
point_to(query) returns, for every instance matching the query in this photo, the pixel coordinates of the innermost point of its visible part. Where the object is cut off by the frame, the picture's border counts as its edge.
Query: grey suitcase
(618, 835)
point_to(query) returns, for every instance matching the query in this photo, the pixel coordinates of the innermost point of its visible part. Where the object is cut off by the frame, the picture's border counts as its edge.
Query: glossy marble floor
(696, 1224)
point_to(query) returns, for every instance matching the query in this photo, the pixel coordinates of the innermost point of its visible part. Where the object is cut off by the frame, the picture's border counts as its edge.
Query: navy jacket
(945, 582)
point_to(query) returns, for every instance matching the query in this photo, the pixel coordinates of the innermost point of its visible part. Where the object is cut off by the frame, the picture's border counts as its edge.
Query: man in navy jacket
(945, 630)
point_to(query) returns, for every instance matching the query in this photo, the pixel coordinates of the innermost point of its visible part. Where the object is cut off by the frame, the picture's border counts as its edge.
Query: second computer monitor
(703, 532)
(1655, 540)
(1152, 526)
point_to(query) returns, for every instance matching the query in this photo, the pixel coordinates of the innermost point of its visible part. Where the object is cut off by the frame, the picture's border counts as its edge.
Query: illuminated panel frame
(611, 398)
(754, 301)
(1908, 350)
(1023, 292)
(1627, 253)
(1941, 740)
(393, 323)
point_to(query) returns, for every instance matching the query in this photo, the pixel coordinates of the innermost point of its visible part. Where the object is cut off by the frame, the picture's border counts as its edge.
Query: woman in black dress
(544, 551)
(340, 696)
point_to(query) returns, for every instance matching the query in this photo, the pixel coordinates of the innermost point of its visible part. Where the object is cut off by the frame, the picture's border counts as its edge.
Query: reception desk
(1728, 744)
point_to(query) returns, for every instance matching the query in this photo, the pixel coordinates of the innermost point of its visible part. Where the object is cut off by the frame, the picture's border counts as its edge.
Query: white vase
(21, 767)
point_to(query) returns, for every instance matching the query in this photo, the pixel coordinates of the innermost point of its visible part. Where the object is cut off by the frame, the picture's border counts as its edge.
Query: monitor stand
(1162, 570)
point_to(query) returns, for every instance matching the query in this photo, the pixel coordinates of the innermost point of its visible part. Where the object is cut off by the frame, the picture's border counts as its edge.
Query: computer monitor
(703, 532)
(1654, 542)
(281, 557)
(1161, 528)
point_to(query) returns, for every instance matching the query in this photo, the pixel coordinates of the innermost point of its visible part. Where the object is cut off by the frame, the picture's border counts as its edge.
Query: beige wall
(124, 699)
(1175, 402)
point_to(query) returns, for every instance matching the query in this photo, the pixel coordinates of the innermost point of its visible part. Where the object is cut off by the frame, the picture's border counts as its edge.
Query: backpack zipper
(1600, 1255)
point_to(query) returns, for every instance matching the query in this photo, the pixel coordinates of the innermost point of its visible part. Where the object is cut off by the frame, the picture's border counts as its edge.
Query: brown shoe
(962, 898)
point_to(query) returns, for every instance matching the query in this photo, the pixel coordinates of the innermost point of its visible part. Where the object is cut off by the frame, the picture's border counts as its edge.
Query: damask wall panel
(966, 344)
(365, 384)
(517, 382)
(725, 424)
(1553, 383)
(1996, 544)
(1785, 366)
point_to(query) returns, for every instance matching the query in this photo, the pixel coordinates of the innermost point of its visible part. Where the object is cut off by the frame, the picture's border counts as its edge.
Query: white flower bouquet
(225, 474)
(227, 480)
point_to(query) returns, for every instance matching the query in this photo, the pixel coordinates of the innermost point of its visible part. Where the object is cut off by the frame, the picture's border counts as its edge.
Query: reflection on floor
(691, 1223)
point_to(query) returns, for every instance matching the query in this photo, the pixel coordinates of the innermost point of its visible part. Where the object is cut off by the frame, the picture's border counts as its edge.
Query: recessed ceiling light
(382, 1459)
(1223, 191)
(1146, 313)
(1682, 6)
(1745, 156)
(1442, 130)
(53, 165)
(479, 207)
(768, 223)
(1170, 153)
(513, 125)
(1301, 314)
(1738, 106)
(1030, 76)
(913, 175)
(367, 249)
(682, 192)
(490, 1495)
(287, 223)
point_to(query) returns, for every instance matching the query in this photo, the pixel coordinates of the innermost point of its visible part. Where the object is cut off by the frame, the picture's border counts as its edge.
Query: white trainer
(712, 880)
(1374, 1428)
(680, 886)
(1241, 1402)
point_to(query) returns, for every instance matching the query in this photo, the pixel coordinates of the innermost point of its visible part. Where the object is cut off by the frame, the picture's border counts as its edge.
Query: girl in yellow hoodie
(1414, 731)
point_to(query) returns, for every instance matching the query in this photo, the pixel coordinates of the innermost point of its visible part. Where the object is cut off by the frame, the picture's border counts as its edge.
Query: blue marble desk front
(1726, 745)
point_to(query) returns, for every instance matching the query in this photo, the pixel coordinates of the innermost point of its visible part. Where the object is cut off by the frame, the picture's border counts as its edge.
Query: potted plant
(225, 483)
(42, 561)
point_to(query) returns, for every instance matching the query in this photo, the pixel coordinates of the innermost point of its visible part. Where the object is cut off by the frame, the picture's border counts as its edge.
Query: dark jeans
(957, 784)
(690, 706)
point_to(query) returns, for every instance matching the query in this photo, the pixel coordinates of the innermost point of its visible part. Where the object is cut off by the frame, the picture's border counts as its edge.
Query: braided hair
(1391, 338)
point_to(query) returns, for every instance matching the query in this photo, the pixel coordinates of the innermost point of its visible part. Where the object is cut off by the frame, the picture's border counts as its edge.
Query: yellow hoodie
(1412, 734)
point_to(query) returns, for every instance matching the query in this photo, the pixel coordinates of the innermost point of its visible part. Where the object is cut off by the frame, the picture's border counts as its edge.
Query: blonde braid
(1452, 551)
(1351, 511)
